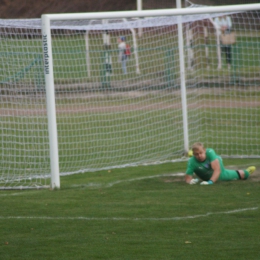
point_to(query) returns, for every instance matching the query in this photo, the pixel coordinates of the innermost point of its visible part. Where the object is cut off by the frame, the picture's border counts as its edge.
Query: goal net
(115, 108)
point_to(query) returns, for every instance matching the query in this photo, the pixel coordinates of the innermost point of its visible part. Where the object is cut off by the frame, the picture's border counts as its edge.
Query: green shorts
(227, 175)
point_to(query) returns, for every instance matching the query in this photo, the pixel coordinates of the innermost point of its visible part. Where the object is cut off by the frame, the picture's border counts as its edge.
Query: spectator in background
(224, 25)
(122, 58)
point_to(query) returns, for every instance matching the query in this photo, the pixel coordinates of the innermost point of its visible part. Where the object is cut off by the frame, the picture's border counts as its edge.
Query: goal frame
(48, 63)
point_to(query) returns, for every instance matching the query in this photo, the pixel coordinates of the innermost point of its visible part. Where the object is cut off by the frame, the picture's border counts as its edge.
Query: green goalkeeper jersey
(203, 169)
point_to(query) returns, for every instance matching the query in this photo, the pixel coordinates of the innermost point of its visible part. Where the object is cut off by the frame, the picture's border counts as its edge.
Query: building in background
(10, 9)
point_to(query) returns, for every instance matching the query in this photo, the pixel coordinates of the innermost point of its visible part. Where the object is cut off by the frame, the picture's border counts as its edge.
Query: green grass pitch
(133, 213)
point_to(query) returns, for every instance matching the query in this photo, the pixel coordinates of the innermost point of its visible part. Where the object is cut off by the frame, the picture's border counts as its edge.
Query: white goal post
(72, 106)
(46, 19)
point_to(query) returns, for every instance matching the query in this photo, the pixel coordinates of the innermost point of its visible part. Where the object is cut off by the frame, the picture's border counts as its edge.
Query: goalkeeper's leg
(229, 175)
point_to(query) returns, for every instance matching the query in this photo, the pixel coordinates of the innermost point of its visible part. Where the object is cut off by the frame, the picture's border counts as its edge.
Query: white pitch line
(108, 185)
(18, 193)
(10, 194)
(98, 185)
(130, 219)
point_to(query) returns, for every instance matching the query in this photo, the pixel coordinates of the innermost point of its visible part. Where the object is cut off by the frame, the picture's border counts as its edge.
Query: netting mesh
(115, 112)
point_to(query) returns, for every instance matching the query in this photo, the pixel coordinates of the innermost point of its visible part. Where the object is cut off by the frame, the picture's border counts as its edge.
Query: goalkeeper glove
(194, 181)
(207, 182)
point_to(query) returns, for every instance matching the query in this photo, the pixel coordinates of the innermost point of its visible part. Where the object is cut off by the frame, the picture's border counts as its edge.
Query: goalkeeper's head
(199, 151)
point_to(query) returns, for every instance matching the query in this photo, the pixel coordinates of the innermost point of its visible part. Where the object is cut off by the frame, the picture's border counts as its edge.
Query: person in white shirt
(224, 25)
(122, 57)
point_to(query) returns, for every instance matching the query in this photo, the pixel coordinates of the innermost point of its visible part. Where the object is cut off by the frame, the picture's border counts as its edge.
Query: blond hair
(197, 145)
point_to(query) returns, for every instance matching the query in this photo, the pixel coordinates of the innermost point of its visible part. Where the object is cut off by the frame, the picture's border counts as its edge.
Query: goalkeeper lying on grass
(208, 166)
